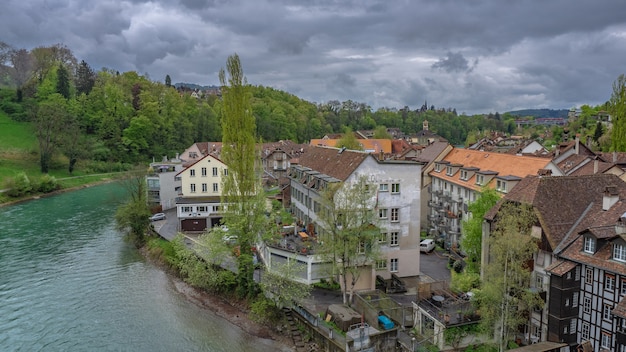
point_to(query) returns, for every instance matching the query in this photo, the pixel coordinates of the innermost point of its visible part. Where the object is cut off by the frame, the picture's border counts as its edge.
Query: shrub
(264, 311)
(466, 281)
(18, 186)
(458, 266)
(47, 184)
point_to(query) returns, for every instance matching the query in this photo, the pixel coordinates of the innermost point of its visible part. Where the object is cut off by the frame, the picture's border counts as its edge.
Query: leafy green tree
(50, 119)
(132, 217)
(280, 286)
(348, 231)
(472, 228)
(22, 69)
(505, 299)
(617, 108)
(349, 141)
(168, 81)
(242, 195)
(380, 132)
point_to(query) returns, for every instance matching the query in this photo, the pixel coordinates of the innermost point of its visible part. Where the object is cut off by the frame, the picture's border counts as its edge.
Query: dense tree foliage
(617, 106)
(471, 241)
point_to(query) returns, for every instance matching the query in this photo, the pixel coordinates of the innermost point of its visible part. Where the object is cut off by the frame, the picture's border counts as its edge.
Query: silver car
(157, 217)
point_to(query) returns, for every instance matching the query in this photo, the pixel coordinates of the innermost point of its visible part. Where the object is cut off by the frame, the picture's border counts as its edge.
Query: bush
(465, 282)
(264, 311)
(328, 285)
(47, 184)
(18, 186)
(458, 266)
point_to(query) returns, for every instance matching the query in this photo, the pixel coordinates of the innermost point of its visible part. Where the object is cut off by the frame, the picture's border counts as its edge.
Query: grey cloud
(454, 62)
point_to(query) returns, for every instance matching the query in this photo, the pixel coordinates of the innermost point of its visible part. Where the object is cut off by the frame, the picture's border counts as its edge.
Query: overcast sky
(476, 56)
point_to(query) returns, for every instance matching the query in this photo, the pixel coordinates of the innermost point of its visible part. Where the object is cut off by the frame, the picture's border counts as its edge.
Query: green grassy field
(19, 153)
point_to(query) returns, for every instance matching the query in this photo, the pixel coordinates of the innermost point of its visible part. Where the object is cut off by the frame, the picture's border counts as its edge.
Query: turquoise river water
(69, 282)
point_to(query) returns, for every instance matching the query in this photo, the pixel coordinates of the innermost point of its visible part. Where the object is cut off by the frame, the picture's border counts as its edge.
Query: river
(69, 282)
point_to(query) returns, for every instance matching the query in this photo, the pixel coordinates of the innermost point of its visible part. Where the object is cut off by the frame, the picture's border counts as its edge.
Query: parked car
(427, 245)
(157, 217)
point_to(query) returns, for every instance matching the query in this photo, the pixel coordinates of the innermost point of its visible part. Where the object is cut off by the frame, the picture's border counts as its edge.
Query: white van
(427, 245)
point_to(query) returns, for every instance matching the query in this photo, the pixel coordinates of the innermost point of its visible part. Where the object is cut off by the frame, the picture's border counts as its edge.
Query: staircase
(295, 333)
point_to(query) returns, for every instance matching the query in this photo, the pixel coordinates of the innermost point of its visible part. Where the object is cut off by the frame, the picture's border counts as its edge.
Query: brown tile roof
(561, 201)
(590, 168)
(368, 144)
(333, 162)
(560, 267)
(615, 157)
(572, 162)
(432, 151)
(503, 164)
(620, 309)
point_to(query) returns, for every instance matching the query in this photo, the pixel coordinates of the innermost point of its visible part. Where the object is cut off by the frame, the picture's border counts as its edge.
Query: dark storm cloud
(476, 56)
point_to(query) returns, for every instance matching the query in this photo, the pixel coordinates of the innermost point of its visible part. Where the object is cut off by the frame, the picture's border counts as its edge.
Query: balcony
(433, 217)
(437, 193)
(434, 204)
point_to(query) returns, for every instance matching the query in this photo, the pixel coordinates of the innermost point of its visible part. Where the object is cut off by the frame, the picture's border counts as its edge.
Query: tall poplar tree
(242, 194)
(617, 106)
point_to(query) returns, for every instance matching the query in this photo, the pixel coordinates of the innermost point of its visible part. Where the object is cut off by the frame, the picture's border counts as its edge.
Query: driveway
(435, 265)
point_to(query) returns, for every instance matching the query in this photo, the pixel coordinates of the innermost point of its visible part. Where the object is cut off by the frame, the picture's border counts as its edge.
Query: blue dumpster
(385, 322)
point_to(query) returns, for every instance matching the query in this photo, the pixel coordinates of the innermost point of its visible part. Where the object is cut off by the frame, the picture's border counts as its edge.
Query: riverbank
(229, 310)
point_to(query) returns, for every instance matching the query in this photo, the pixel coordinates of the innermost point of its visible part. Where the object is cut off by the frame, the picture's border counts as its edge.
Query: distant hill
(194, 86)
(540, 113)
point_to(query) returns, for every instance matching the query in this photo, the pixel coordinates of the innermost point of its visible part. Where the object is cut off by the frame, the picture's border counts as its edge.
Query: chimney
(381, 155)
(595, 166)
(577, 145)
(614, 157)
(610, 197)
(588, 142)
(620, 227)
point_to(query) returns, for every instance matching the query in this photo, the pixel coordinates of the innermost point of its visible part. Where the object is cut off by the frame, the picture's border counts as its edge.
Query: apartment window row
(382, 265)
(384, 187)
(203, 172)
(197, 209)
(392, 238)
(204, 187)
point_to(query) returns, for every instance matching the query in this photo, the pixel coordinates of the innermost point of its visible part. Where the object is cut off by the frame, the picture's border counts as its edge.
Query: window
(225, 172)
(577, 274)
(187, 209)
(382, 213)
(203, 171)
(381, 264)
(393, 239)
(587, 305)
(606, 312)
(383, 187)
(202, 208)
(572, 326)
(438, 167)
(585, 331)
(501, 186)
(216, 187)
(449, 171)
(193, 188)
(395, 214)
(214, 171)
(393, 265)
(623, 287)
(619, 252)
(539, 281)
(395, 188)
(590, 245)
(480, 179)
(575, 299)
(567, 302)
(361, 248)
(609, 282)
(204, 188)
(605, 341)
(588, 275)
(463, 175)
(192, 173)
(382, 238)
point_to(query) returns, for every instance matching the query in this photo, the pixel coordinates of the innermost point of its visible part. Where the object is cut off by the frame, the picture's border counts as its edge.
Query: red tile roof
(333, 161)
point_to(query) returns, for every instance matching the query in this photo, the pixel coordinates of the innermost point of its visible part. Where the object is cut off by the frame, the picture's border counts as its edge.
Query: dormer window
(619, 252)
(480, 179)
(449, 170)
(590, 245)
(438, 167)
(501, 186)
(464, 175)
